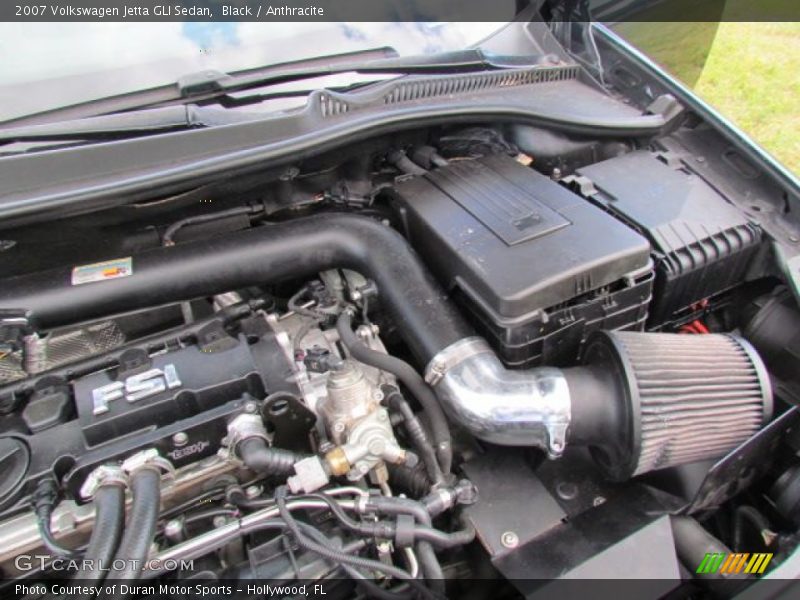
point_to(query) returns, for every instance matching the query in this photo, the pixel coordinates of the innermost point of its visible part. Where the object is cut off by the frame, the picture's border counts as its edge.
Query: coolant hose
(109, 517)
(263, 459)
(410, 378)
(443, 539)
(141, 527)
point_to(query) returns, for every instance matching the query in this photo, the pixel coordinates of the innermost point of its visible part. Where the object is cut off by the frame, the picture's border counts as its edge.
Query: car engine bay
(448, 353)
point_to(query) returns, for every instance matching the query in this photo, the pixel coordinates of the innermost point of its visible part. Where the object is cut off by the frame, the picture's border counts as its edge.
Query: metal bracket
(203, 82)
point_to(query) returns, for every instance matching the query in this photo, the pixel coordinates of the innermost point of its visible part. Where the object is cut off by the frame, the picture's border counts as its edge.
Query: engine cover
(518, 249)
(159, 390)
(177, 396)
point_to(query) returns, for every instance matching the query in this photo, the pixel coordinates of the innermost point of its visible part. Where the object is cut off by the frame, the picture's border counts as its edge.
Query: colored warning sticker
(110, 269)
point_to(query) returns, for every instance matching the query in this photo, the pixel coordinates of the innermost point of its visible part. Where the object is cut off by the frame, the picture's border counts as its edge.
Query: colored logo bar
(733, 563)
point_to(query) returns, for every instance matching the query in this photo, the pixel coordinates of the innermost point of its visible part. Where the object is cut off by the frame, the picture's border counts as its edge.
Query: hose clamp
(451, 356)
(148, 459)
(245, 426)
(103, 475)
(361, 505)
(500, 405)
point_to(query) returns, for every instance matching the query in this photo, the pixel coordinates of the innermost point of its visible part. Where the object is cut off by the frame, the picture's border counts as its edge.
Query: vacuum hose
(261, 458)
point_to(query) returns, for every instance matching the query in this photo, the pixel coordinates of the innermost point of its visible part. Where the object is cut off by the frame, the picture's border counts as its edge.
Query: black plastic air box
(702, 244)
(537, 265)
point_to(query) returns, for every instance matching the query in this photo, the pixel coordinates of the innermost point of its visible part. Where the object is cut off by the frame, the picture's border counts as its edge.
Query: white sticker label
(110, 269)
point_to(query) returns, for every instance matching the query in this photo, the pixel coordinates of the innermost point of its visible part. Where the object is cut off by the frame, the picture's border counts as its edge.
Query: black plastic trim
(86, 178)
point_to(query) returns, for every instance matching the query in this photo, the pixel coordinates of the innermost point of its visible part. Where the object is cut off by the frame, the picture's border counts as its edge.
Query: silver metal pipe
(215, 539)
(498, 405)
(413, 562)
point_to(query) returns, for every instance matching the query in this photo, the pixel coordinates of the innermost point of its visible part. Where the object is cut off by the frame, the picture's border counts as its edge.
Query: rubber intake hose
(261, 458)
(109, 517)
(268, 254)
(412, 380)
(141, 528)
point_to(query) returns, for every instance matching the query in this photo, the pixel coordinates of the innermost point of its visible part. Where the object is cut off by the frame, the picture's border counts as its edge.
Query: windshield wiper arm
(162, 119)
(172, 92)
(207, 86)
(127, 124)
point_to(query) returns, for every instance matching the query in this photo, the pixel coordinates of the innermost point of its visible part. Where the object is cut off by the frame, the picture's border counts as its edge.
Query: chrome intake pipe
(498, 405)
(640, 402)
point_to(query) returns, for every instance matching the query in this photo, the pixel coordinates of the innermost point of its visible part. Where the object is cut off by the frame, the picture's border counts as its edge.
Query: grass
(751, 74)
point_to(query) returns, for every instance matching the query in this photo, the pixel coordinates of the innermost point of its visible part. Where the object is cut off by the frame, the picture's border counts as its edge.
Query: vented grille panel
(410, 89)
(464, 84)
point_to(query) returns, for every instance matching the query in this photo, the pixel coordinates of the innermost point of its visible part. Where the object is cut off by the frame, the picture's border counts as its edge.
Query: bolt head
(509, 539)
(219, 521)
(338, 427)
(567, 490)
(252, 491)
(173, 528)
(250, 407)
(180, 439)
(598, 500)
